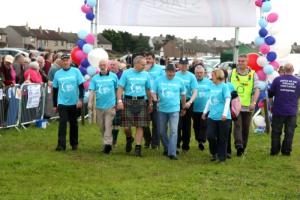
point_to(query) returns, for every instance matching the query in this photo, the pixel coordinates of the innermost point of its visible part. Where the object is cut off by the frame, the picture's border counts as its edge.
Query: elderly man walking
(135, 83)
(245, 82)
(67, 98)
(104, 86)
(286, 92)
(167, 90)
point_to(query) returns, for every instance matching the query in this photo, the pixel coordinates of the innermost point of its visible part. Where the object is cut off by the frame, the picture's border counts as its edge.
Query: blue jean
(169, 143)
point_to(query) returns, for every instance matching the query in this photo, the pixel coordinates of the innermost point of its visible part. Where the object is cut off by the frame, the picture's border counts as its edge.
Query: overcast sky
(67, 15)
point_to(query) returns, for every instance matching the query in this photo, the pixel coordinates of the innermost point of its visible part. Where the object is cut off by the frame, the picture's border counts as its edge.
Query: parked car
(13, 52)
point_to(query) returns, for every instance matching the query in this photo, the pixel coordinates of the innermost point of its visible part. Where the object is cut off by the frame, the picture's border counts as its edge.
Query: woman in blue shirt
(219, 117)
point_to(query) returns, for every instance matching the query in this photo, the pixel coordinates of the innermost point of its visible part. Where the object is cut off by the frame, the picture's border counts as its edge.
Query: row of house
(42, 39)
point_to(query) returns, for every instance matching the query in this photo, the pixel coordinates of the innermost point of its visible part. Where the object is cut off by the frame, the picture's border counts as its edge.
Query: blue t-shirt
(189, 81)
(155, 72)
(204, 86)
(218, 95)
(168, 93)
(135, 83)
(67, 82)
(105, 89)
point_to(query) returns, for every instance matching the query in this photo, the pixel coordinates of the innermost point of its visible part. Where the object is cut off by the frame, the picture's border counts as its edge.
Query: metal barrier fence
(32, 103)
(9, 106)
(25, 104)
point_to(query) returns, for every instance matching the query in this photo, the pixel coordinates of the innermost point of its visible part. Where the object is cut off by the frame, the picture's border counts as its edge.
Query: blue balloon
(91, 70)
(263, 23)
(87, 48)
(262, 85)
(85, 63)
(266, 7)
(82, 70)
(259, 41)
(90, 16)
(82, 34)
(268, 69)
(80, 43)
(91, 3)
(271, 56)
(270, 40)
(263, 32)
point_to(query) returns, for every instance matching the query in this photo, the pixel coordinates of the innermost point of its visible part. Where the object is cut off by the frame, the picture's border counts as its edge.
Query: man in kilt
(135, 83)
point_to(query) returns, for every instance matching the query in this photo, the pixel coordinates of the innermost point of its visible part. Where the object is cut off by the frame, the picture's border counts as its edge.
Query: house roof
(47, 35)
(70, 37)
(23, 31)
(2, 32)
(102, 40)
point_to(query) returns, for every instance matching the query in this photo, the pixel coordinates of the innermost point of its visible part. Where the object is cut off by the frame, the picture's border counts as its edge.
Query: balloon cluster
(265, 64)
(84, 54)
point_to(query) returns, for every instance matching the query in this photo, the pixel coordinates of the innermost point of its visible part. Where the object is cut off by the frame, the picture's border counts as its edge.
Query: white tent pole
(96, 24)
(236, 45)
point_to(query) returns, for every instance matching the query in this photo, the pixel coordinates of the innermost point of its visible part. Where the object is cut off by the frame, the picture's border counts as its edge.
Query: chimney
(58, 30)
(40, 29)
(27, 27)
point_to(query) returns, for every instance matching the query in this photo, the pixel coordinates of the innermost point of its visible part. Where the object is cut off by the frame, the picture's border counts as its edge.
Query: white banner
(178, 13)
(34, 95)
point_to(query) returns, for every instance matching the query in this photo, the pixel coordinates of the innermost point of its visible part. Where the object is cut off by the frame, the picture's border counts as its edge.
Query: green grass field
(31, 169)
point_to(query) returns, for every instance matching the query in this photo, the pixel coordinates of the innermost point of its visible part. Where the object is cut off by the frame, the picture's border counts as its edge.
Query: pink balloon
(86, 85)
(261, 75)
(85, 8)
(90, 38)
(80, 55)
(260, 104)
(258, 3)
(275, 64)
(272, 17)
(264, 48)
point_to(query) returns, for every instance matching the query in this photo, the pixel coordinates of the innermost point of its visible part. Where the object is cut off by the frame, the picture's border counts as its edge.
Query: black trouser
(289, 123)
(217, 135)
(229, 138)
(67, 113)
(153, 139)
(199, 126)
(184, 129)
(241, 129)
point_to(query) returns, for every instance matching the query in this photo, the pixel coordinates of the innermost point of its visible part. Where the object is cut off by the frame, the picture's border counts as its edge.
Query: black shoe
(213, 157)
(201, 146)
(154, 146)
(286, 153)
(173, 157)
(239, 151)
(138, 151)
(147, 146)
(60, 148)
(74, 147)
(177, 152)
(107, 149)
(129, 142)
(274, 153)
(165, 153)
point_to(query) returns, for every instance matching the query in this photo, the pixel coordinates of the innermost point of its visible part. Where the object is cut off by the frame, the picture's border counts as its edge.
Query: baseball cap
(183, 61)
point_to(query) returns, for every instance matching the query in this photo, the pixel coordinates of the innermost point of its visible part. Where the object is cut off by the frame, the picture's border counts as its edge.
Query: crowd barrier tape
(31, 107)
(9, 106)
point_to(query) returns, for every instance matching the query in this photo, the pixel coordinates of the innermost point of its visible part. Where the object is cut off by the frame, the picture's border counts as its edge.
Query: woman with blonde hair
(219, 117)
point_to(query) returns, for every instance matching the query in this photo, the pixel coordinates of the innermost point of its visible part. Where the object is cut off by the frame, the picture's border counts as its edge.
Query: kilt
(141, 119)
(117, 119)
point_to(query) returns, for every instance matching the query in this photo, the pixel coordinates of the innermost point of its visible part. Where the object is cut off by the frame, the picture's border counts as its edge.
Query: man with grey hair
(285, 90)
(135, 83)
(204, 85)
(41, 61)
(245, 82)
(103, 87)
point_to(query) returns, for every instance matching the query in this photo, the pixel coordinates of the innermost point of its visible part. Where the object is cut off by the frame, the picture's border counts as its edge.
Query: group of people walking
(172, 101)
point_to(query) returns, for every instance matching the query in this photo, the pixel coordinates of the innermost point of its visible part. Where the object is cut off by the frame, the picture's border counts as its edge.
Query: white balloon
(274, 29)
(87, 77)
(262, 61)
(271, 77)
(282, 47)
(96, 55)
(259, 121)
